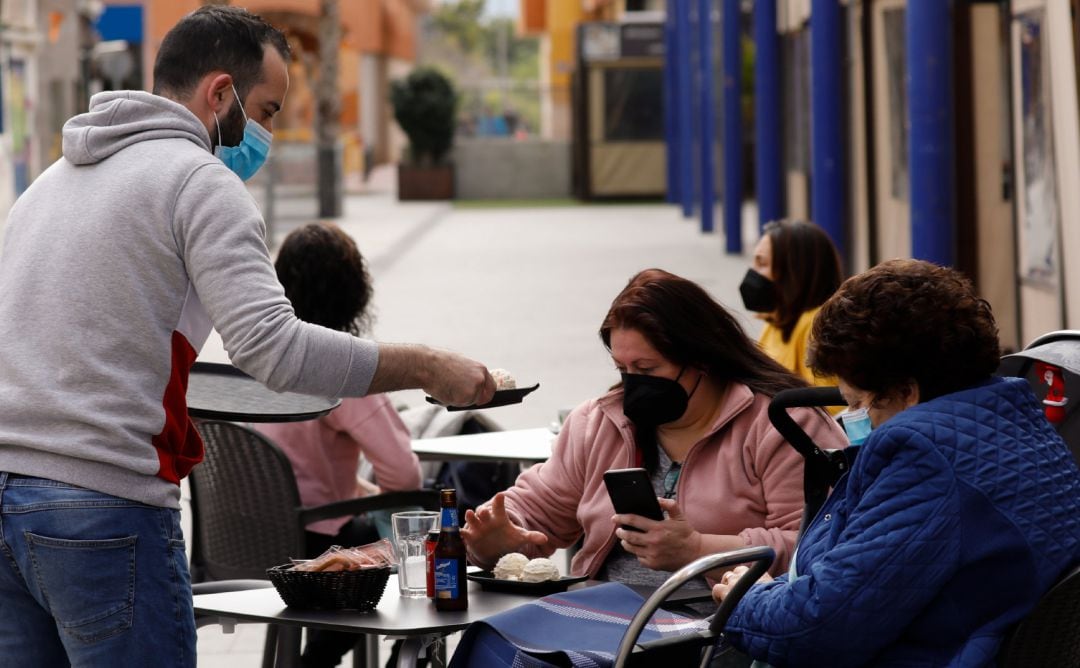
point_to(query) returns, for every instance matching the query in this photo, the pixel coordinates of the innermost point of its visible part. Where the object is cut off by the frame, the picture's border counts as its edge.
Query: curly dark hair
(904, 321)
(325, 277)
(805, 268)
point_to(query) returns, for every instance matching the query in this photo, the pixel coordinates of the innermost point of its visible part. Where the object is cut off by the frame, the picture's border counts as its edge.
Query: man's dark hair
(215, 38)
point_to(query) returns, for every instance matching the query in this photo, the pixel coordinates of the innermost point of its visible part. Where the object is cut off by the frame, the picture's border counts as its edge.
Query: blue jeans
(89, 579)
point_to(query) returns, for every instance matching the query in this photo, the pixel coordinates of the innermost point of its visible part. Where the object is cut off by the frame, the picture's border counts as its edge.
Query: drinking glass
(410, 532)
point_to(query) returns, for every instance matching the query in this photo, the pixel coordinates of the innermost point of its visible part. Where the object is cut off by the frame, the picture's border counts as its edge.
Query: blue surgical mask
(857, 425)
(246, 159)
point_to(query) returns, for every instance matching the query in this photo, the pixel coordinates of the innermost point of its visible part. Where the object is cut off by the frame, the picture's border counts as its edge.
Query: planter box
(504, 168)
(425, 183)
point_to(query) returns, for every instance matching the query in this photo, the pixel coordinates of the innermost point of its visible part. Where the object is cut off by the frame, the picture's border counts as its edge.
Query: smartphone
(632, 493)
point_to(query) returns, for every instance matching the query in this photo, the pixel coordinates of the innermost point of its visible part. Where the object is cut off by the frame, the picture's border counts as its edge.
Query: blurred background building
(944, 130)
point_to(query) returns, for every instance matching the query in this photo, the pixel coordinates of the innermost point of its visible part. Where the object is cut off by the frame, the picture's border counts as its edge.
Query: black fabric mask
(758, 292)
(650, 401)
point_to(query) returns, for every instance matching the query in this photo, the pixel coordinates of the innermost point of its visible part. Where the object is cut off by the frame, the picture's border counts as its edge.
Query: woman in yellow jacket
(795, 269)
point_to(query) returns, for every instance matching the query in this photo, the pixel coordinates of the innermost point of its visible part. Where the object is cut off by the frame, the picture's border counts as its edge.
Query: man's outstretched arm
(453, 379)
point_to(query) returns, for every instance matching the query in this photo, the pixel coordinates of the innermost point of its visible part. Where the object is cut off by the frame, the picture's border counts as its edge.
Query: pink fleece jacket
(741, 479)
(325, 453)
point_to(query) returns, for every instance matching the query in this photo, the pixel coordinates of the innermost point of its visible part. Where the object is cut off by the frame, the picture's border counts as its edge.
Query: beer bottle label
(446, 578)
(449, 518)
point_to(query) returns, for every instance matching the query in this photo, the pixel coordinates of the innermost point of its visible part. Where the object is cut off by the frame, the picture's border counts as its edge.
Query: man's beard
(231, 125)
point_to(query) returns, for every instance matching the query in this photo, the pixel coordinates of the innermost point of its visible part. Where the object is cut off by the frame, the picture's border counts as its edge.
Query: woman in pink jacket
(692, 410)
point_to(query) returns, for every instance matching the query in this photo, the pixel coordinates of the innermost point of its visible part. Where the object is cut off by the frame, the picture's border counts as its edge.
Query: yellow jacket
(792, 354)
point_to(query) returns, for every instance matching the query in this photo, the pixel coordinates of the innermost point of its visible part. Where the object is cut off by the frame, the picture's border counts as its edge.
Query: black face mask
(650, 401)
(758, 292)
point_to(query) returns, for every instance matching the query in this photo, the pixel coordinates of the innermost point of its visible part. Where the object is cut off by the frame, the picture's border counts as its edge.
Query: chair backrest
(1050, 635)
(1060, 349)
(245, 505)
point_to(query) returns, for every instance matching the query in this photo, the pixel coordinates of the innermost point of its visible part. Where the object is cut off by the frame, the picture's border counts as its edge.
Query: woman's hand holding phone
(664, 545)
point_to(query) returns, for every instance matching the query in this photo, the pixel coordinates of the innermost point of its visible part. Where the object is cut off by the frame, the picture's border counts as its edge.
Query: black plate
(501, 398)
(491, 583)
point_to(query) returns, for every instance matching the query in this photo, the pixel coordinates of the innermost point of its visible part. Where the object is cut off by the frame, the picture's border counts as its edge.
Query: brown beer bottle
(451, 586)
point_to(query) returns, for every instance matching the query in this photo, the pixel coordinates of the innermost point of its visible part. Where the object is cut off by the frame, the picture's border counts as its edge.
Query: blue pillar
(826, 110)
(931, 141)
(769, 162)
(684, 118)
(731, 20)
(706, 109)
(671, 92)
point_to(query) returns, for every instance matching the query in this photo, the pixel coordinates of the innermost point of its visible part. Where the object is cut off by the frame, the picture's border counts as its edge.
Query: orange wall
(384, 27)
(533, 17)
(369, 26)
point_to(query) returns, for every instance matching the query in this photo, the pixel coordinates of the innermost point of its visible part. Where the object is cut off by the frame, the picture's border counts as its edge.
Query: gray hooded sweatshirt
(117, 262)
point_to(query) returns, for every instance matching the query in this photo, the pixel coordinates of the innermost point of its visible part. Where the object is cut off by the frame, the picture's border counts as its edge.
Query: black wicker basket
(341, 590)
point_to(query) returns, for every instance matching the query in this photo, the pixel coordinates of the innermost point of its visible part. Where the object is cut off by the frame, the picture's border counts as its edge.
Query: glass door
(1047, 161)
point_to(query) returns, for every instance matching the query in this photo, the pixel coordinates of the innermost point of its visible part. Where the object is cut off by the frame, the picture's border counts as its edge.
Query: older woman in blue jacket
(962, 507)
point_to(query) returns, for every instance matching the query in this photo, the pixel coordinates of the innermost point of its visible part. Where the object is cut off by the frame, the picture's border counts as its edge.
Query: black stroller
(1049, 636)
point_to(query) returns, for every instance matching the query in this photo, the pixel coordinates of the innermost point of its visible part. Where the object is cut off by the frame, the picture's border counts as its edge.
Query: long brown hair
(805, 268)
(690, 328)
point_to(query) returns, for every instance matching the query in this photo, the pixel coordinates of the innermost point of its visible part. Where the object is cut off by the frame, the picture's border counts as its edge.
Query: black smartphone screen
(632, 493)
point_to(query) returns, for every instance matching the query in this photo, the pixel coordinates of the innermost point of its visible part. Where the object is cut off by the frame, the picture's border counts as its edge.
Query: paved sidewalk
(524, 289)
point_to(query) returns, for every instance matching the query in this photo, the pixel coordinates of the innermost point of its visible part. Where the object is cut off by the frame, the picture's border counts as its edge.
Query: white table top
(527, 445)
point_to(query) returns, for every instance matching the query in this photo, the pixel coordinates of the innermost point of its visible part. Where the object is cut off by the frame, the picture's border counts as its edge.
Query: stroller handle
(801, 398)
(822, 469)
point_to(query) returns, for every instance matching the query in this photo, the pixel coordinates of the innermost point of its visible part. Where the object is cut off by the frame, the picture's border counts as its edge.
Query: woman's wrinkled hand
(489, 534)
(666, 545)
(728, 580)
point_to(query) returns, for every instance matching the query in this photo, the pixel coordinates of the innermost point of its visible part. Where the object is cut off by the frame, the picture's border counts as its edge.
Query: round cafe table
(223, 392)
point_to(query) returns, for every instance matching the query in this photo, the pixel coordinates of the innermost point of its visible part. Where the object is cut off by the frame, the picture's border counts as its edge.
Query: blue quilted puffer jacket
(956, 516)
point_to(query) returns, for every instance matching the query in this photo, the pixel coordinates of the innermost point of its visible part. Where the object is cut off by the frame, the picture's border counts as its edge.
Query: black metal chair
(1050, 635)
(695, 648)
(247, 516)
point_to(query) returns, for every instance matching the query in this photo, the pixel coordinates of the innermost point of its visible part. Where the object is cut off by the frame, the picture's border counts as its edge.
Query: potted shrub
(425, 105)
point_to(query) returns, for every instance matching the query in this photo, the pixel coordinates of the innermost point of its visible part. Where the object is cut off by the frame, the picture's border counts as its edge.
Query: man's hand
(456, 380)
(489, 534)
(452, 379)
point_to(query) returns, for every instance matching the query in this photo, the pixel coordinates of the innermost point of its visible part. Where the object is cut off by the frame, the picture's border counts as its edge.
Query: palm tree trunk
(328, 110)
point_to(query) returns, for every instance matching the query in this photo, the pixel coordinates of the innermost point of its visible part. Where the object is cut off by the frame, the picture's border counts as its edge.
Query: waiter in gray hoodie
(117, 263)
